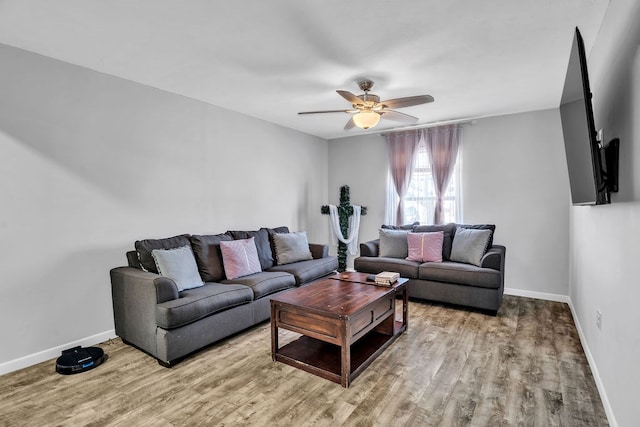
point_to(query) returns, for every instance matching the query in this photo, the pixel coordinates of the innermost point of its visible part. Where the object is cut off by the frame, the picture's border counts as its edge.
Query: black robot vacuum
(79, 359)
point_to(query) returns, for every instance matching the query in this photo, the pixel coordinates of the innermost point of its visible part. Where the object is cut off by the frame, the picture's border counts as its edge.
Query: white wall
(89, 163)
(604, 239)
(513, 175)
(361, 163)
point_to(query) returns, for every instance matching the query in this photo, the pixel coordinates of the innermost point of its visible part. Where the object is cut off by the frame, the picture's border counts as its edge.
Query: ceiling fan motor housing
(369, 99)
(365, 85)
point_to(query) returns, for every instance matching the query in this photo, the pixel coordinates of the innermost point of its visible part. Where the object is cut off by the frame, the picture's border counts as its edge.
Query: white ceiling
(271, 59)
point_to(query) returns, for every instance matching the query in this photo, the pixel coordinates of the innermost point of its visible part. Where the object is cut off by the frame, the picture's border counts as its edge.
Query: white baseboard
(594, 370)
(537, 295)
(52, 353)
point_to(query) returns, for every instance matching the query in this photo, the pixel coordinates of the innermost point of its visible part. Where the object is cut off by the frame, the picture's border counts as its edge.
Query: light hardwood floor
(453, 367)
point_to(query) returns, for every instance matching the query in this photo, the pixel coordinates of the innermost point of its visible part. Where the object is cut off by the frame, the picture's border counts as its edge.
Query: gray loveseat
(152, 315)
(479, 286)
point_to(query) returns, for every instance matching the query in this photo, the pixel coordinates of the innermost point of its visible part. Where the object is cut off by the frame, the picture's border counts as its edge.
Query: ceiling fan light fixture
(366, 119)
(367, 107)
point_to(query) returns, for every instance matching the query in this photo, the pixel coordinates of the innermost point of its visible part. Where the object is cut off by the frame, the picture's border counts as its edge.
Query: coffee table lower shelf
(324, 359)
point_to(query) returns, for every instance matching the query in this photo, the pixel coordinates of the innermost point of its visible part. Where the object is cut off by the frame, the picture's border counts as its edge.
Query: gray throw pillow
(144, 248)
(291, 247)
(179, 265)
(470, 245)
(393, 243)
(491, 227)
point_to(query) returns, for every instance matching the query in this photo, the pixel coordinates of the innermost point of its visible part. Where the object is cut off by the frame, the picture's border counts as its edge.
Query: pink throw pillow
(240, 257)
(425, 247)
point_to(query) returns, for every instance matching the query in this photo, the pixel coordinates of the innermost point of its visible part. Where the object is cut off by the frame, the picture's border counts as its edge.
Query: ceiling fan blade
(327, 111)
(349, 124)
(350, 97)
(407, 101)
(398, 116)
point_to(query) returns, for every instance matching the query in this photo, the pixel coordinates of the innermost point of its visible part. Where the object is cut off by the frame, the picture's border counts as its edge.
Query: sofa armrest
(370, 248)
(135, 294)
(319, 250)
(166, 289)
(494, 258)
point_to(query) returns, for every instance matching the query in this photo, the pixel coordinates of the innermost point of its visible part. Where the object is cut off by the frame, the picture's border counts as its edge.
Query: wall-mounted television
(592, 167)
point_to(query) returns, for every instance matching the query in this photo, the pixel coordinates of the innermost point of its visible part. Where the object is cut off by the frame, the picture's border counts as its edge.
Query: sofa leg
(171, 363)
(164, 364)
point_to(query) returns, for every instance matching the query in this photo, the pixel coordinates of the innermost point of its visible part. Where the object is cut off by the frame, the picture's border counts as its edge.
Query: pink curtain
(442, 147)
(402, 148)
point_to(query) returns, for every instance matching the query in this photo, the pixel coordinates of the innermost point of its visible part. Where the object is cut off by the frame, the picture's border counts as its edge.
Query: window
(420, 200)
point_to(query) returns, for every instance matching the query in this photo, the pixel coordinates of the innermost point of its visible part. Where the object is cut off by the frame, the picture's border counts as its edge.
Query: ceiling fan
(368, 109)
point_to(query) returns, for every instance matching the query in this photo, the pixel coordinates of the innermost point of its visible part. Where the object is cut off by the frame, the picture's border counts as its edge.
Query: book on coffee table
(387, 278)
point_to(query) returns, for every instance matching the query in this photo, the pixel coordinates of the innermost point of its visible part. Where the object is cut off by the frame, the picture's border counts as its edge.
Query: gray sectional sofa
(479, 286)
(151, 314)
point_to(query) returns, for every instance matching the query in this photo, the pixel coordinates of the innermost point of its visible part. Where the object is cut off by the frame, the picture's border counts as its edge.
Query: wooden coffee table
(344, 321)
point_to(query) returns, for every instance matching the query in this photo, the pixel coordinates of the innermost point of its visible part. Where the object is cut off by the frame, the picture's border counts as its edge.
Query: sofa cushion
(469, 245)
(393, 243)
(458, 273)
(401, 227)
(291, 247)
(306, 271)
(206, 249)
(375, 265)
(240, 257)
(447, 229)
(425, 246)
(262, 245)
(265, 282)
(179, 265)
(195, 304)
(144, 248)
(276, 230)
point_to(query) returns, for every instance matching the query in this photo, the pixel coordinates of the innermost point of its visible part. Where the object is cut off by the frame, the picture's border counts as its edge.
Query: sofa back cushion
(291, 247)
(144, 248)
(278, 230)
(262, 245)
(206, 249)
(179, 265)
(240, 257)
(393, 243)
(425, 247)
(409, 227)
(448, 231)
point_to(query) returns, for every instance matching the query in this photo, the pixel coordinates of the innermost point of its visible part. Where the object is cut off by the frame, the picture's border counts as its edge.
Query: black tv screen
(584, 159)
